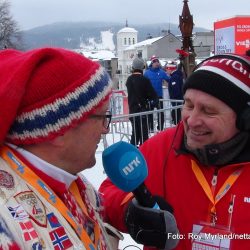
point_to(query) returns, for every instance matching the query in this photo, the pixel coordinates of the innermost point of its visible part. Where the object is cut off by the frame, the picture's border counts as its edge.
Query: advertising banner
(224, 40)
(232, 35)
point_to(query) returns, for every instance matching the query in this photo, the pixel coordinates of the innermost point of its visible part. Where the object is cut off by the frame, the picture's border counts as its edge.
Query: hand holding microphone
(147, 217)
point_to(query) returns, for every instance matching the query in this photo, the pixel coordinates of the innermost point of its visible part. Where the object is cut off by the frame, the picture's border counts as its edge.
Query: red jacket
(171, 176)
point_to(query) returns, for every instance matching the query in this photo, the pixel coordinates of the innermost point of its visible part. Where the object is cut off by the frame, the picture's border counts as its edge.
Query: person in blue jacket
(175, 89)
(156, 75)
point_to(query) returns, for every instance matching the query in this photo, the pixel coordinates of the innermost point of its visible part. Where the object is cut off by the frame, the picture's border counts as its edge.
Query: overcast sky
(33, 13)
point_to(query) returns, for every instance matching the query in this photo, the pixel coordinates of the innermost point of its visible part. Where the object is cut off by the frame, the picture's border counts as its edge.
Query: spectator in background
(156, 75)
(175, 85)
(54, 110)
(140, 95)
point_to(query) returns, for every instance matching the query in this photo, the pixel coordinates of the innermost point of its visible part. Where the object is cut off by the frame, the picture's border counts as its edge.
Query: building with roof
(163, 47)
(203, 43)
(106, 58)
(126, 37)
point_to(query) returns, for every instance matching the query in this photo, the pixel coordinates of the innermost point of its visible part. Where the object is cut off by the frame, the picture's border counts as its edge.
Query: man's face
(207, 120)
(81, 142)
(155, 63)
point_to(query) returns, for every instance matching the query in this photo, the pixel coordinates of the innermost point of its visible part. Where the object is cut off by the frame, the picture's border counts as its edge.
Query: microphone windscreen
(124, 165)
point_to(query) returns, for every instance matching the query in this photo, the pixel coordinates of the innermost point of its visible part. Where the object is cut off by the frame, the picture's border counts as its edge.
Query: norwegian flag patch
(60, 239)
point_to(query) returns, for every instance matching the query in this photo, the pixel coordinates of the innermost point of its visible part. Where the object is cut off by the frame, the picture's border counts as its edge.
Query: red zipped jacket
(170, 175)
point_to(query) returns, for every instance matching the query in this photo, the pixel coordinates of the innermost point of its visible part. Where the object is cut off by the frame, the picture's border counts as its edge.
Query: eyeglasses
(106, 118)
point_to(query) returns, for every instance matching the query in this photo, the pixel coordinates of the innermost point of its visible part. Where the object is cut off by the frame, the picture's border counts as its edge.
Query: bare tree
(10, 35)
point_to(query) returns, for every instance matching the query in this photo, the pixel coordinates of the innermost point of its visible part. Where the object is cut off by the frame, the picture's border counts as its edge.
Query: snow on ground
(96, 175)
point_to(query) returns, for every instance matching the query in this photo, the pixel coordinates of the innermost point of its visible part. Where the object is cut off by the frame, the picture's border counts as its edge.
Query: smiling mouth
(199, 133)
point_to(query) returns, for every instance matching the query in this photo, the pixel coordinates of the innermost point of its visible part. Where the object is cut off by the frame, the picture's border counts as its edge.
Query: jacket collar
(234, 151)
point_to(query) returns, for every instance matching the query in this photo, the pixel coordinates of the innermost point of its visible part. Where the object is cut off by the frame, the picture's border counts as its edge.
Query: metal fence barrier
(121, 125)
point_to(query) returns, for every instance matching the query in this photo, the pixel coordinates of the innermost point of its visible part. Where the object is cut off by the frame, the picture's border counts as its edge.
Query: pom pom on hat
(226, 77)
(44, 92)
(138, 63)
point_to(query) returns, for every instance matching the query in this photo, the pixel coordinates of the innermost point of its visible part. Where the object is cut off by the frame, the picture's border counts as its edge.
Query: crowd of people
(54, 111)
(145, 93)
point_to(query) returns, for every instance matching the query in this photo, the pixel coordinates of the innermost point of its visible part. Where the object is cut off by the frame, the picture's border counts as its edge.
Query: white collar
(51, 170)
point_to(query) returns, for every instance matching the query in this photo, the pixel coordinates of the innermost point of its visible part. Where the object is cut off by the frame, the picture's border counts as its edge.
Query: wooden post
(186, 27)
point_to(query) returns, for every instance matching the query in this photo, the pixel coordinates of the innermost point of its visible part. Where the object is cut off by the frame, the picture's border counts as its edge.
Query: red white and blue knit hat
(44, 92)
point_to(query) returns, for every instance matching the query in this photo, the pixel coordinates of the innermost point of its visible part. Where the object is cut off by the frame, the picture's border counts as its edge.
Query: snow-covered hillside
(107, 42)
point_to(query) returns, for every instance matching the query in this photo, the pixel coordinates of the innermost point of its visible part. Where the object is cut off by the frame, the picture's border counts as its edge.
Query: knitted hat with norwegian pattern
(44, 92)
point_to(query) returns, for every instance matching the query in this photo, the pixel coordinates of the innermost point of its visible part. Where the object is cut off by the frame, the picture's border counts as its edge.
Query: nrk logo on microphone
(128, 169)
(125, 165)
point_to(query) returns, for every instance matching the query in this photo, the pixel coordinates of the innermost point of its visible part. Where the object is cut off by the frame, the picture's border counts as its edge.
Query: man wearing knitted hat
(140, 95)
(54, 109)
(157, 75)
(201, 167)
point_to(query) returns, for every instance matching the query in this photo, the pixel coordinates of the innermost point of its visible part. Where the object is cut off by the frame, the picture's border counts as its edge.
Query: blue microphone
(127, 169)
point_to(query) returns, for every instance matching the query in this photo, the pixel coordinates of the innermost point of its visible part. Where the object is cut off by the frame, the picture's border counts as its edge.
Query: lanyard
(30, 177)
(75, 191)
(208, 190)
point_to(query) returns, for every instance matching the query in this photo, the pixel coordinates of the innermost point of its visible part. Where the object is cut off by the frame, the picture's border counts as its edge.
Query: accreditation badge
(210, 237)
(33, 206)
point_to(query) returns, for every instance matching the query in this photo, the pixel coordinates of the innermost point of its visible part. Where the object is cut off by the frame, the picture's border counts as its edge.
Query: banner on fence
(119, 103)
